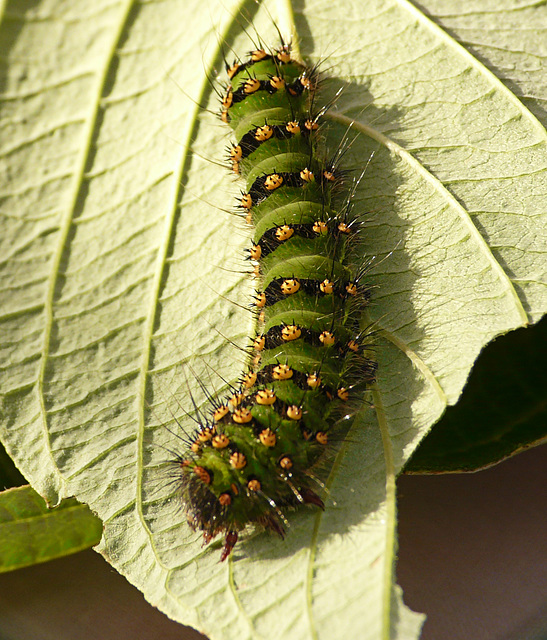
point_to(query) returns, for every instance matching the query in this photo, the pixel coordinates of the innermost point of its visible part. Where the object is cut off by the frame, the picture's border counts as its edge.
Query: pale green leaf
(121, 264)
(507, 37)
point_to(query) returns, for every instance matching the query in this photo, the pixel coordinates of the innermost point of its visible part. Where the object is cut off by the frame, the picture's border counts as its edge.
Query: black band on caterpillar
(308, 363)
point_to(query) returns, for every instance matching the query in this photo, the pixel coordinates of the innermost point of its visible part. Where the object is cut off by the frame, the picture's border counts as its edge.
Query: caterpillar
(254, 455)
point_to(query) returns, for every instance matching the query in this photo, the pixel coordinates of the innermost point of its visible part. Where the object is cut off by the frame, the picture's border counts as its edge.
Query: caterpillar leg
(229, 544)
(310, 497)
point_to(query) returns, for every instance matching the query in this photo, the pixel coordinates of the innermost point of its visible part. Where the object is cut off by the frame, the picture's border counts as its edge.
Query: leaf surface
(121, 263)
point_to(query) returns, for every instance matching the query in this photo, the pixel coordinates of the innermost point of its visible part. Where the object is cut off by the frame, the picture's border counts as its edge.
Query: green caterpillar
(308, 363)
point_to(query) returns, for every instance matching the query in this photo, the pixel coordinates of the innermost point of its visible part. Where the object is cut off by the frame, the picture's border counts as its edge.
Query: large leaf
(121, 264)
